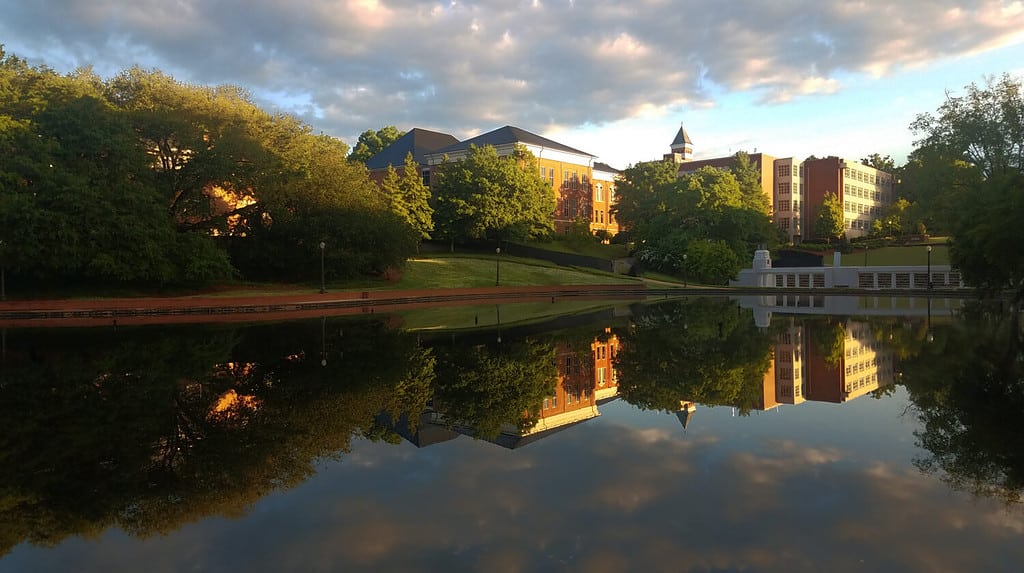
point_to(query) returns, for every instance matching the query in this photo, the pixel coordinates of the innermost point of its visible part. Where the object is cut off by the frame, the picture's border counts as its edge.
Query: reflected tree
(152, 429)
(703, 351)
(967, 389)
(489, 387)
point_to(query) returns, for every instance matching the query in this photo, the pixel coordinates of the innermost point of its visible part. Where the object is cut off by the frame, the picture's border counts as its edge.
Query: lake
(687, 435)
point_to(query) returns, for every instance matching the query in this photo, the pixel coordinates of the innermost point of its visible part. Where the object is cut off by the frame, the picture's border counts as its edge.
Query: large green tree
(748, 176)
(984, 129)
(486, 195)
(667, 215)
(372, 142)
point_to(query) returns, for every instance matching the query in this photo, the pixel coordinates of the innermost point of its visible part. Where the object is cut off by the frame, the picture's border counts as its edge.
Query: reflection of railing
(799, 303)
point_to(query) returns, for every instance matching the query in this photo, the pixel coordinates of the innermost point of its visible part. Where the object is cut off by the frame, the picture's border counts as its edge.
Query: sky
(614, 78)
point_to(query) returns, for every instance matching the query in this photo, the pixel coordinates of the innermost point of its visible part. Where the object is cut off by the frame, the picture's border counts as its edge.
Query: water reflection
(150, 429)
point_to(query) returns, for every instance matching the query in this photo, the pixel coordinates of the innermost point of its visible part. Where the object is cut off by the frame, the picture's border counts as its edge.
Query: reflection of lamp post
(686, 282)
(865, 254)
(497, 312)
(929, 267)
(323, 340)
(323, 284)
(497, 266)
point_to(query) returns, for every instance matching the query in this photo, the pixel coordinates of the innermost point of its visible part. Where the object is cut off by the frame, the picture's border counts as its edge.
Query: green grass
(467, 272)
(895, 256)
(590, 249)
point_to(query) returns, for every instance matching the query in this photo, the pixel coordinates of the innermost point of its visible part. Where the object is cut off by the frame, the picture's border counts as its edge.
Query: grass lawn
(590, 249)
(894, 256)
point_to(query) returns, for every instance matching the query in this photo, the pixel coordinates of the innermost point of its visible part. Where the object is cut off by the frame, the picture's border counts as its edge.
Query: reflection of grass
(486, 315)
(895, 256)
(457, 272)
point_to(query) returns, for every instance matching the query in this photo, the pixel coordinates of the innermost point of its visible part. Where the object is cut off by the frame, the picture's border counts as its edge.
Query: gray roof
(419, 142)
(682, 138)
(605, 167)
(510, 134)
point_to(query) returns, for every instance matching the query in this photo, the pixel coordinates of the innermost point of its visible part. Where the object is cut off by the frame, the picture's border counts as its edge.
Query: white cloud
(482, 64)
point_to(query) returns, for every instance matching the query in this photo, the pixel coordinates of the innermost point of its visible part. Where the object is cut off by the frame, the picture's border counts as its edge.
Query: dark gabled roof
(419, 142)
(682, 138)
(510, 134)
(605, 167)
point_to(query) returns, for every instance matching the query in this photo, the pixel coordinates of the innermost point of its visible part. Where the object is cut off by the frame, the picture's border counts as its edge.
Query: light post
(929, 267)
(323, 283)
(686, 281)
(497, 266)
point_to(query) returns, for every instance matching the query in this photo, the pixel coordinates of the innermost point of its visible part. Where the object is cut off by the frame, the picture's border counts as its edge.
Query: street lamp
(497, 266)
(929, 267)
(323, 284)
(686, 282)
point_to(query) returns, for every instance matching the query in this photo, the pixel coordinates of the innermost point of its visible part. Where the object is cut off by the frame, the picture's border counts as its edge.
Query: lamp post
(929, 267)
(323, 283)
(497, 266)
(686, 281)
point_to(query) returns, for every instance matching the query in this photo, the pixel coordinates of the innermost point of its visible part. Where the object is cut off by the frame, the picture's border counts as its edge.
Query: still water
(685, 436)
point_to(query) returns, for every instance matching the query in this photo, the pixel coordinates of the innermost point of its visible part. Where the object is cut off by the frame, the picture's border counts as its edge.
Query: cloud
(462, 66)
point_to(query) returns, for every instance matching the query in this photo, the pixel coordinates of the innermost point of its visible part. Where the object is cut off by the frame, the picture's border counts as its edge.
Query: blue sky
(612, 77)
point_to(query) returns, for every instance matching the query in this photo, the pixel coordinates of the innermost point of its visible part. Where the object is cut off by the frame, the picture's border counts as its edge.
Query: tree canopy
(692, 218)
(372, 142)
(975, 142)
(486, 195)
(144, 179)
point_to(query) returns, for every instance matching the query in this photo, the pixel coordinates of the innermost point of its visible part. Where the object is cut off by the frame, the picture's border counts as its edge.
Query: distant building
(603, 199)
(417, 141)
(797, 189)
(864, 192)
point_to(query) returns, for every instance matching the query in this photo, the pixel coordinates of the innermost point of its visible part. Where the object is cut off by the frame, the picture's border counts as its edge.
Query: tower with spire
(682, 147)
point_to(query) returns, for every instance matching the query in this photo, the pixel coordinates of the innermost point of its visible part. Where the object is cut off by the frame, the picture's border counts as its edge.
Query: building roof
(511, 134)
(605, 167)
(419, 142)
(682, 138)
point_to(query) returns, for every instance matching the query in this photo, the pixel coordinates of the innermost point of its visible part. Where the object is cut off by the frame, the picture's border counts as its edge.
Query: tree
(828, 224)
(702, 351)
(637, 190)
(749, 179)
(372, 142)
(488, 196)
(885, 164)
(409, 198)
(985, 130)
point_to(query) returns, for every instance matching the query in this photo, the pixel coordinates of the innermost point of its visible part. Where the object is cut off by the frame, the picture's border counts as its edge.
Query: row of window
(786, 188)
(861, 209)
(855, 191)
(787, 170)
(867, 177)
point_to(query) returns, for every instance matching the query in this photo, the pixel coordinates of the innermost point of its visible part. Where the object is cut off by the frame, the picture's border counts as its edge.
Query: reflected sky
(808, 487)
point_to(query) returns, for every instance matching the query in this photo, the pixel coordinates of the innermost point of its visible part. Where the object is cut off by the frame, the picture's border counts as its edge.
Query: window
(784, 205)
(784, 188)
(599, 193)
(426, 177)
(784, 224)
(601, 376)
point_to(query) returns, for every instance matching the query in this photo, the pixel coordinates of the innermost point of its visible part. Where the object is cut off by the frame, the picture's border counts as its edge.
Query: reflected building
(863, 366)
(802, 370)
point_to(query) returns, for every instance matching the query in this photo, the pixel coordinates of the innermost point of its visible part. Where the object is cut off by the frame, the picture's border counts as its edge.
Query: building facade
(864, 192)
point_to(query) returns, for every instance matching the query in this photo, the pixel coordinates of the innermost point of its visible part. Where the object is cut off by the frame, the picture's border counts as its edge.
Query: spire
(682, 146)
